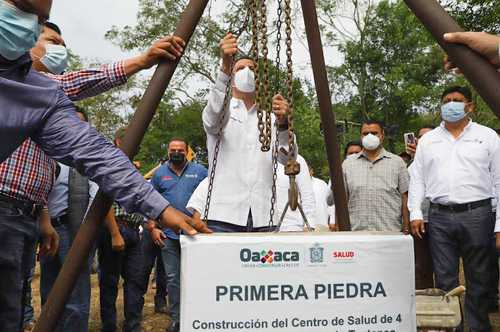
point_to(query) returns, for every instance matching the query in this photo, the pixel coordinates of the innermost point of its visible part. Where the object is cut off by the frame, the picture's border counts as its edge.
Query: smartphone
(410, 138)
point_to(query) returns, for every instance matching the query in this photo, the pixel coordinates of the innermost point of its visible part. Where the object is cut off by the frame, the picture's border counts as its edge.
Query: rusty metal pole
(79, 252)
(476, 69)
(326, 112)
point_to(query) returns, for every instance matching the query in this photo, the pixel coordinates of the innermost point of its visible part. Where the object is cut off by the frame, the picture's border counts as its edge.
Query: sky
(84, 23)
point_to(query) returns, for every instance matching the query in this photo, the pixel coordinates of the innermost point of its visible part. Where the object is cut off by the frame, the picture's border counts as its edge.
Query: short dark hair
(352, 143)
(240, 57)
(463, 90)
(53, 26)
(179, 139)
(373, 122)
(82, 112)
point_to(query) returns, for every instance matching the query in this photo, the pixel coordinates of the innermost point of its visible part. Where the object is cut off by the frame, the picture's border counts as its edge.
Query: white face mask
(371, 142)
(244, 80)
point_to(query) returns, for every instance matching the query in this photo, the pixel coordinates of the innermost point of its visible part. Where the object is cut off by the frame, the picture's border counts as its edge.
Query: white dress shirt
(321, 193)
(244, 175)
(293, 221)
(455, 171)
(198, 199)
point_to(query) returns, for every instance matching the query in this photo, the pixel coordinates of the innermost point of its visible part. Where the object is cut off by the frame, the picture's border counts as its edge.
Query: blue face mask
(19, 31)
(55, 58)
(453, 111)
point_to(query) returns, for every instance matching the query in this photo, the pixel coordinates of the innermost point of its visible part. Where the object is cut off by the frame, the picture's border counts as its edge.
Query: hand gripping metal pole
(326, 112)
(79, 252)
(476, 69)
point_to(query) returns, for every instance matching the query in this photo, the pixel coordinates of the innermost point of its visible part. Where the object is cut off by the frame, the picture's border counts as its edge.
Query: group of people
(53, 163)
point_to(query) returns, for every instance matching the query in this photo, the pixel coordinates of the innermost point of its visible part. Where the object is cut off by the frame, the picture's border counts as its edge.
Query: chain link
(225, 105)
(265, 131)
(289, 80)
(279, 24)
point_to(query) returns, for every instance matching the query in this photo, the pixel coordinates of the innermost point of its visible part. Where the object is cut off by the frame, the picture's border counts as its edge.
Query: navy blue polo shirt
(177, 189)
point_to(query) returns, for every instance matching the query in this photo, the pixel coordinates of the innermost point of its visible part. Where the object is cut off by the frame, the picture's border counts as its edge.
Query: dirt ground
(152, 322)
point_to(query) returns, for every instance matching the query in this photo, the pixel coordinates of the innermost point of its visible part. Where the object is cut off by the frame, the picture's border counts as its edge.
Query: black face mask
(177, 158)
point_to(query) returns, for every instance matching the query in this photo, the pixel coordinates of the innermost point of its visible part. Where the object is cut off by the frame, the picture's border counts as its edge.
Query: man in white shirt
(321, 193)
(424, 277)
(293, 221)
(454, 166)
(241, 197)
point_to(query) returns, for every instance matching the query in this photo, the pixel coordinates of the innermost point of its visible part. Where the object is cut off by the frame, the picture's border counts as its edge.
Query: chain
(289, 81)
(265, 131)
(225, 105)
(279, 23)
(276, 140)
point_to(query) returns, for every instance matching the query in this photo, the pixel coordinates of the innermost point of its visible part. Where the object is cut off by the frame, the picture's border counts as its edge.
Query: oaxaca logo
(269, 257)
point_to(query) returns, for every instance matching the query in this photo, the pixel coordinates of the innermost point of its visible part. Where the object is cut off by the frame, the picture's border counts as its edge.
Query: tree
(169, 122)
(392, 70)
(200, 61)
(107, 111)
(476, 15)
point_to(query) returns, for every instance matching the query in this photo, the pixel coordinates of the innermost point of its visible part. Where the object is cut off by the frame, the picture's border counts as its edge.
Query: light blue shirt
(58, 197)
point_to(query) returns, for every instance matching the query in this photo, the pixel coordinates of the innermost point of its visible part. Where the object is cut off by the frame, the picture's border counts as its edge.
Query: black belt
(59, 221)
(462, 207)
(28, 208)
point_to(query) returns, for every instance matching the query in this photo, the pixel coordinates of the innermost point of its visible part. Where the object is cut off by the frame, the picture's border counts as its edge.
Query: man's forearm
(405, 212)
(44, 217)
(111, 224)
(213, 111)
(134, 65)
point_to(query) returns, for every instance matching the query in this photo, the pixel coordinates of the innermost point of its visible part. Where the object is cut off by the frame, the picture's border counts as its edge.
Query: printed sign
(352, 282)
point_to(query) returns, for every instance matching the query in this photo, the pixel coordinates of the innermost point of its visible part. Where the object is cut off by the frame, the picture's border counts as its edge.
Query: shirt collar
(236, 102)
(22, 64)
(186, 165)
(382, 154)
(466, 128)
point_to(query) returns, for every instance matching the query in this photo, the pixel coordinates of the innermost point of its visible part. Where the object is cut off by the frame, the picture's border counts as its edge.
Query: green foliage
(107, 111)
(169, 122)
(392, 71)
(476, 15)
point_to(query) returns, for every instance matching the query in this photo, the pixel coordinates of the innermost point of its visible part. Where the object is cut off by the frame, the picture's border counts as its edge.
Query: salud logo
(316, 253)
(268, 256)
(344, 256)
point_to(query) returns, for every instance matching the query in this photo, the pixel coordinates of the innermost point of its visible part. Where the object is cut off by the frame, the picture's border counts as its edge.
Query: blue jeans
(468, 235)
(18, 235)
(171, 255)
(152, 256)
(29, 311)
(76, 312)
(130, 265)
